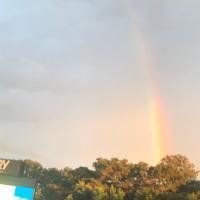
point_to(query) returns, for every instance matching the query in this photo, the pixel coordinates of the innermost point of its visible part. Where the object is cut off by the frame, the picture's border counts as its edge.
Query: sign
(12, 186)
(4, 164)
(10, 167)
(16, 188)
(17, 181)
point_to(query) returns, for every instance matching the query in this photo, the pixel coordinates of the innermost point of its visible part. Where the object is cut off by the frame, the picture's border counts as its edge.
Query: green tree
(54, 191)
(190, 187)
(144, 193)
(83, 173)
(69, 197)
(177, 196)
(38, 193)
(32, 169)
(92, 190)
(115, 194)
(174, 171)
(140, 174)
(174, 178)
(114, 171)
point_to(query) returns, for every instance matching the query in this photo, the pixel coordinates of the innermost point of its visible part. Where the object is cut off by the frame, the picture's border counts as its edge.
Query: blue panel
(24, 192)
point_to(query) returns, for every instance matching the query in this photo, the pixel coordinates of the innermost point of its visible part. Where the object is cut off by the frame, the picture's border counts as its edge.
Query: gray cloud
(65, 63)
(59, 46)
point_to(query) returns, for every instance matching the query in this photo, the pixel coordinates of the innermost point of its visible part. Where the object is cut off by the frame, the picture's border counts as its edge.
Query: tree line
(173, 178)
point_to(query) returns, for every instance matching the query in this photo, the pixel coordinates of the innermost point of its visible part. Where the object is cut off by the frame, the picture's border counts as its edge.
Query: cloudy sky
(72, 87)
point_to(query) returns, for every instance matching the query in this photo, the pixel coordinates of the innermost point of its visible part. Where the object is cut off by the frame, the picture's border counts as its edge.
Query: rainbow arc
(158, 120)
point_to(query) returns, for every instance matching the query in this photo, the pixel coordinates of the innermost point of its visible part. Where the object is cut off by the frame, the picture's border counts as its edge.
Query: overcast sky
(71, 87)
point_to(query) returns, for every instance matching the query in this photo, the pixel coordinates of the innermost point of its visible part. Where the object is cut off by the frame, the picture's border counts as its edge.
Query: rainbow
(158, 121)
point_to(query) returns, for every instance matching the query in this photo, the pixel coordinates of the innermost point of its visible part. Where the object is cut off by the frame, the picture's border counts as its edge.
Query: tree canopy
(174, 178)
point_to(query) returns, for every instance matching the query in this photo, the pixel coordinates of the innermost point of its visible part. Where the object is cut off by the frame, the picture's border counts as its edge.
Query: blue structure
(24, 193)
(9, 192)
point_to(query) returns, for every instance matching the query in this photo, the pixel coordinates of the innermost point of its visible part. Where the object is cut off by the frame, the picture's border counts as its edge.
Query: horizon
(91, 167)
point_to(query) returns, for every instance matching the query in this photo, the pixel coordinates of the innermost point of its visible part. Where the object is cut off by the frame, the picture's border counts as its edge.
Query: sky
(73, 87)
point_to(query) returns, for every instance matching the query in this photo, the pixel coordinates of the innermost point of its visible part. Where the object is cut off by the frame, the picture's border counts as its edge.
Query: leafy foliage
(174, 178)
